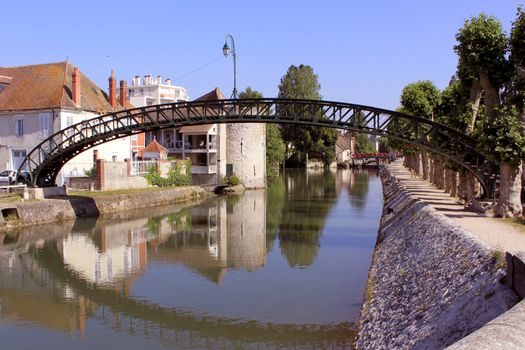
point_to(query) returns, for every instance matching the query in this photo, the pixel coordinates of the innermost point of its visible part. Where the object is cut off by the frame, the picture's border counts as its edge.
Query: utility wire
(198, 68)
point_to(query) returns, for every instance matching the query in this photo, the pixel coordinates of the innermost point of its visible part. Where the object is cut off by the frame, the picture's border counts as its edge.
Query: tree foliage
(275, 149)
(454, 110)
(482, 45)
(362, 141)
(300, 82)
(250, 93)
(517, 57)
(421, 99)
(502, 138)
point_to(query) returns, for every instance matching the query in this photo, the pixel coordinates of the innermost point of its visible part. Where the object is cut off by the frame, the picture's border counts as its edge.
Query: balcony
(204, 169)
(187, 147)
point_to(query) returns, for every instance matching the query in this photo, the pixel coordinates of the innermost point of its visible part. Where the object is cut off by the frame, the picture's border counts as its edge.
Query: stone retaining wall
(431, 283)
(67, 208)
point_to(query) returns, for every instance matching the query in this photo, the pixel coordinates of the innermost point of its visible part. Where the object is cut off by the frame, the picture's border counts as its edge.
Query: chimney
(112, 98)
(123, 90)
(76, 87)
(168, 81)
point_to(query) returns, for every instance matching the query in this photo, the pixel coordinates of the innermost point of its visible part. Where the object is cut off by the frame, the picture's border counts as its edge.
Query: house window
(44, 124)
(19, 132)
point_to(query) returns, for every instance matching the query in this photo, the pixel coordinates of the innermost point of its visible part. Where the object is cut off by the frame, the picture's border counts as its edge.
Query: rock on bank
(431, 283)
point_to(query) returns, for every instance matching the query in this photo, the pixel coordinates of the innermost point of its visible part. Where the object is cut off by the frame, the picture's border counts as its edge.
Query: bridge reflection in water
(94, 277)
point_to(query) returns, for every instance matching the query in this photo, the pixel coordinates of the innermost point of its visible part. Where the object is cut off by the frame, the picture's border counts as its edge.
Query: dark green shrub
(91, 172)
(233, 180)
(175, 176)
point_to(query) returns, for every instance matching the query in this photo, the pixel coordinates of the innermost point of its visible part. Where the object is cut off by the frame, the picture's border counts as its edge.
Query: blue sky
(363, 51)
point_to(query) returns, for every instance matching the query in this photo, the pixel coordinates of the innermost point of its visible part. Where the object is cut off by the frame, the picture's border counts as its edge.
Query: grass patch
(369, 290)
(498, 256)
(10, 217)
(518, 223)
(10, 197)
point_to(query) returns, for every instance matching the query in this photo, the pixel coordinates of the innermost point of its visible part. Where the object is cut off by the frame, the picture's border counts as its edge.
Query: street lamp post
(226, 51)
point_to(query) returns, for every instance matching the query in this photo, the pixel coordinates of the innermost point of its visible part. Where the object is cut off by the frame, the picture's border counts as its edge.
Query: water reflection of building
(106, 256)
(30, 294)
(208, 239)
(219, 235)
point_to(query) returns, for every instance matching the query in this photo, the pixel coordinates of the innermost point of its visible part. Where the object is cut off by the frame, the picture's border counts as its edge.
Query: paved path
(496, 233)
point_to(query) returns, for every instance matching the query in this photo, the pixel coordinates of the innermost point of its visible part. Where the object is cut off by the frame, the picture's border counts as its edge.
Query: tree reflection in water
(299, 204)
(358, 188)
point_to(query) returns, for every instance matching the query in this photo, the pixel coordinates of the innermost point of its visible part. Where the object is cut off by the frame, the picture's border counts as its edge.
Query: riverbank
(17, 214)
(431, 282)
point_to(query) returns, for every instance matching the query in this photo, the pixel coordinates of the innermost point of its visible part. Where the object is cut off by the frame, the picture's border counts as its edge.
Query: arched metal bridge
(45, 160)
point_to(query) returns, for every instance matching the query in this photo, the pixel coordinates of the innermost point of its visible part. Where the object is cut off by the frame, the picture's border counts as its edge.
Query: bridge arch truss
(46, 159)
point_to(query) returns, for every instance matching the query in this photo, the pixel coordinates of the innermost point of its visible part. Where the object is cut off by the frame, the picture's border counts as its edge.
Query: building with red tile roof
(39, 100)
(344, 147)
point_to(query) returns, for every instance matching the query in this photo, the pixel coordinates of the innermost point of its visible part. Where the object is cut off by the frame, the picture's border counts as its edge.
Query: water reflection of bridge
(87, 276)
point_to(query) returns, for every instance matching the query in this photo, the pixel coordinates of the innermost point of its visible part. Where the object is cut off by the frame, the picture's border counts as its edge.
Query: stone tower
(242, 149)
(246, 153)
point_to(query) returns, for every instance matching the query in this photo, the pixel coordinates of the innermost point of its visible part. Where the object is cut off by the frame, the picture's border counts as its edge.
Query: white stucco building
(215, 150)
(39, 100)
(149, 91)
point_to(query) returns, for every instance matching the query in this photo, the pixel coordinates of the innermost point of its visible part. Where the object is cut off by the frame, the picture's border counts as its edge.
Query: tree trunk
(472, 187)
(475, 99)
(454, 184)
(492, 99)
(509, 203)
(424, 161)
(415, 163)
(462, 187)
(431, 169)
(440, 173)
(447, 184)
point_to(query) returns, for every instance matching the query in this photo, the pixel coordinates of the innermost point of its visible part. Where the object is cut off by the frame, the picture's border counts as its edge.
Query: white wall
(36, 130)
(32, 133)
(120, 148)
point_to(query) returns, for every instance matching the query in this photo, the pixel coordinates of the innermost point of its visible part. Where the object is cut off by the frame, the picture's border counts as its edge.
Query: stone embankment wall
(66, 208)
(431, 283)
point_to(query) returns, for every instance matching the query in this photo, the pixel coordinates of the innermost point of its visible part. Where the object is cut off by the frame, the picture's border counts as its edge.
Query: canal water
(278, 268)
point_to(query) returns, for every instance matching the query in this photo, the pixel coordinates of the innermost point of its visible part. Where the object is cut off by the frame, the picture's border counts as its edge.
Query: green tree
(517, 58)
(421, 99)
(483, 66)
(275, 147)
(250, 93)
(300, 82)
(454, 110)
(362, 141)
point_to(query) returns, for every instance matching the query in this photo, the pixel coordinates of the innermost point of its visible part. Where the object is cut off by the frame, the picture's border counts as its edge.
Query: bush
(91, 172)
(234, 180)
(175, 177)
